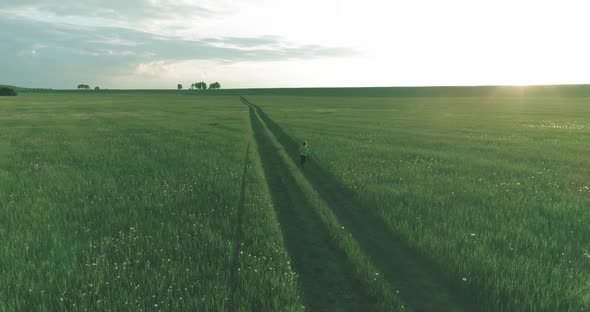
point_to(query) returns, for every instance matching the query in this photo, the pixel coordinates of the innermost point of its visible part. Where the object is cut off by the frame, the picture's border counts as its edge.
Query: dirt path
(326, 277)
(420, 282)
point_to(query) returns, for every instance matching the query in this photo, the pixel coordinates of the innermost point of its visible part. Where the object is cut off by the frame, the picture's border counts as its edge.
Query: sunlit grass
(159, 201)
(494, 189)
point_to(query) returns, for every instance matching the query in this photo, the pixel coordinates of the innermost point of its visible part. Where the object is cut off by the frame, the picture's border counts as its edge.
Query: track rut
(418, 279)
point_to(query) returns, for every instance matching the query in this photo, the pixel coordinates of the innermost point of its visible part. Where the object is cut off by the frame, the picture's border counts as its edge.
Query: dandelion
(464, 279)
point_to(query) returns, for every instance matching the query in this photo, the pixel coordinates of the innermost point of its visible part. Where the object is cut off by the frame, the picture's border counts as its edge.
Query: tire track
(326, 278)
(419, 280)
(233, 278)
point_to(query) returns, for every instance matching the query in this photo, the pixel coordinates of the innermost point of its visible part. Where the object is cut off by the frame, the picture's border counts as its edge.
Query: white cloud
(294, 43)
(151, 69)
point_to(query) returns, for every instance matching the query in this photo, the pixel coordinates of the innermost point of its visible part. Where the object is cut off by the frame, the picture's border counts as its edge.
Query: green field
(413, 200)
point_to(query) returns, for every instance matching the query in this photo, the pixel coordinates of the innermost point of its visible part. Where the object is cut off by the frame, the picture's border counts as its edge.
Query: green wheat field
(416, 199)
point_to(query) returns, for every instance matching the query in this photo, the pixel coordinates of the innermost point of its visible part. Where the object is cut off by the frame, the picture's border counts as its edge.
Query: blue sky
(262, 43)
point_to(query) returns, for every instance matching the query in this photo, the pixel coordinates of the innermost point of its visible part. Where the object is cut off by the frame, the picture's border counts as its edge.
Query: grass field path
(412, 275)
(325, 275)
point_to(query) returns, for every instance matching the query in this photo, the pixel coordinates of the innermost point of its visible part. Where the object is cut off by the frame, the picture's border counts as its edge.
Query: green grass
(459, 91)
(492, 189)
(137, 203)
(327, 273)
(417, 199)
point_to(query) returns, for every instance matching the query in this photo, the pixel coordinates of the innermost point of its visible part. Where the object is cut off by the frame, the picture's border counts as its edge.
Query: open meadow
(136, 202)
(494, 190)
(419, 200)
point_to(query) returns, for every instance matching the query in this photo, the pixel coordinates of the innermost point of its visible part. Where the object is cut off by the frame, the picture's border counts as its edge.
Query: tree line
(202, 86)
(197, 85)
(86, 87)
(5, 91)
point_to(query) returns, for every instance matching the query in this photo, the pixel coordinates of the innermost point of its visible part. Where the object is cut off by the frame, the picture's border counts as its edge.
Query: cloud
(128, 10)
(120, 41)
(162, 17)
(37, 48)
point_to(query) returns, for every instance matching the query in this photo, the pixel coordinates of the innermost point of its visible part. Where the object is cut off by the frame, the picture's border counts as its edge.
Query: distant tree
(97, 88)
(192, 86)
(179, 86)
(214, 85)
(4, 91)
(200, 86)
(83, 86)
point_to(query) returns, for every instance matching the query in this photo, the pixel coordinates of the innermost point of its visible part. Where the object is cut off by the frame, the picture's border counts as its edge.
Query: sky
(145, 44)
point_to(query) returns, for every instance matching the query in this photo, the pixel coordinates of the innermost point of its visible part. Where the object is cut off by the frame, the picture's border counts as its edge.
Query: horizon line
(331, 87)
